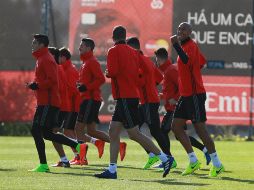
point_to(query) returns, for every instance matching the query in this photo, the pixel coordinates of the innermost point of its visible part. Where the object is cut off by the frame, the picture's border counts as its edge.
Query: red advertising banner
(150, 20)
(228, 99)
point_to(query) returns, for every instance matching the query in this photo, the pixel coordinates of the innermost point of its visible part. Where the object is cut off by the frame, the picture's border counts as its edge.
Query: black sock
(195, 143)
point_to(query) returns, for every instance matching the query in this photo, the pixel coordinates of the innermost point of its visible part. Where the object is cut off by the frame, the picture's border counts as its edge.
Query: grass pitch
(18, 154)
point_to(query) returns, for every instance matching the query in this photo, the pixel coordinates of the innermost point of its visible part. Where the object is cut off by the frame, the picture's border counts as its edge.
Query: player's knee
(91, 131)
(35, 131)
(47, 134)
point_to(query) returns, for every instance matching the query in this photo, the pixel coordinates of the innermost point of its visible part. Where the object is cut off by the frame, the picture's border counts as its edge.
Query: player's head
(119, 34)
(133, 42)
(161, 56)
(184, 31)
(55, 52)
(64, 55)
(39, 41)
(86, 45)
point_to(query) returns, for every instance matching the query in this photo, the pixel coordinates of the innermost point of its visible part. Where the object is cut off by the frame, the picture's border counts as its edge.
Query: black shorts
(167, 121)
(67, 120)
(126, 112)
(149, 113)
(191, 108)
(46, 117)
(89, 111)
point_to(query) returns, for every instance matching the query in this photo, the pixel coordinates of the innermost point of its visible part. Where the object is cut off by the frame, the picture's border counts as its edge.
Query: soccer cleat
(83, 152)
(100, 146)
(84, 162)
(191, 168)
(151, 161)
(208, 158)
(160, 166)
(106, 175)
(122, 150)
(61, 164)
(40, 168)
(167, 166)
(75, 160)
(214, 171)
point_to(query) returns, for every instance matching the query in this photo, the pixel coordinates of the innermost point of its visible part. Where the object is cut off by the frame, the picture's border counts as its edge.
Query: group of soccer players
(71, 100)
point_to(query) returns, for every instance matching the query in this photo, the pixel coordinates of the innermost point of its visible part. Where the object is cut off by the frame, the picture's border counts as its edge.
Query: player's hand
(172, 101)
(174, 39)
(32, 85)
(81, 87)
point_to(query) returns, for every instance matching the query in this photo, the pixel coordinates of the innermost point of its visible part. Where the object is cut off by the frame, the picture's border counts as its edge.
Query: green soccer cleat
(174, 165)
(151, 161)
(191, 168)
(214, 171)
(40, 168)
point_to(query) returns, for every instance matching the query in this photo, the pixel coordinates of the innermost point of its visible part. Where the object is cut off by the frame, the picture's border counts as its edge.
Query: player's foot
(40, 168)
(208, 158)
(61, 164)
(160, 166)
(82, 152)
(107, 175)
(151, 161)
(75, 160)
(100, 146)
(167, 166)
(214, 171)
(84, 162)
(122, 150)
(191, 168)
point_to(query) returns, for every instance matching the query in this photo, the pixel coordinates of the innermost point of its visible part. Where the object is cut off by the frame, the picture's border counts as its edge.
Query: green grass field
(18, 154)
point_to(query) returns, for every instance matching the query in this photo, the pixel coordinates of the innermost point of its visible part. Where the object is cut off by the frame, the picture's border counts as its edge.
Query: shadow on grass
(169, 182)
(69, 173)
(7, 170)
(125, 166)
(250, 181)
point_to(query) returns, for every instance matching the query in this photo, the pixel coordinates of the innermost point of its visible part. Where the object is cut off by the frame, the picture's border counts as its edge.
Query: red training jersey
(123, 69)
(190, 78)
(46, 75)
(91, 76)
(152, 77)
(169, 84)
(72, 79)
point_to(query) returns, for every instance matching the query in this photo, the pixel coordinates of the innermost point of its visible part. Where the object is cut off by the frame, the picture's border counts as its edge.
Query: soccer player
(170, 95)
(150, 103)
(64, 109)
(45, 87)
(91, 79)
(123, 69)
(191, 104)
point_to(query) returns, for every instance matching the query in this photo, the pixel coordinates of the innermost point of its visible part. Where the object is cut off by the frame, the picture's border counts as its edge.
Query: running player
(191, 104)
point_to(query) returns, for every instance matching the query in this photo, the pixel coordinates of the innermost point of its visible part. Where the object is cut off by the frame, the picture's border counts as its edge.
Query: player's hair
(42, 39)
(65, 52)
(133, 42)
(89, 43)
(55, 52)
(161, 53)
(119, 33)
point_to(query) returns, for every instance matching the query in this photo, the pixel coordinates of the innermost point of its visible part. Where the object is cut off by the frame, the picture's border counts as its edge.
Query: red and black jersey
(190, 78)
(72, 79)
(123, 69)
(91, 76)
(169, 84)
(152, 77)
(46, 75)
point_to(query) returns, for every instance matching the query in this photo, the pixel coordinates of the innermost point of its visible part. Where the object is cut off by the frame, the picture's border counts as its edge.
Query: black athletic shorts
(46, 117)
(149, 113)
(67, 120)
(191, 108)
(126, 112)
(89, 111)
(167, 121)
